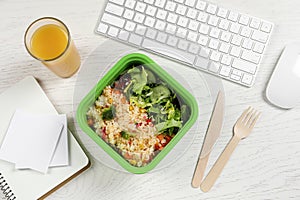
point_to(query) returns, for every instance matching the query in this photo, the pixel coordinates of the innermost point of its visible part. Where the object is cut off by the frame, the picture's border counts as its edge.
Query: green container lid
(136, 59)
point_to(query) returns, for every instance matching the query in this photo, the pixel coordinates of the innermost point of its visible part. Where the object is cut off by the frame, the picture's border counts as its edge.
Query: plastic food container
(185, 104)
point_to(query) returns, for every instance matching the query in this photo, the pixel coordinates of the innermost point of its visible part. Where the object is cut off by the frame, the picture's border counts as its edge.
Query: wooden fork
(242, 129)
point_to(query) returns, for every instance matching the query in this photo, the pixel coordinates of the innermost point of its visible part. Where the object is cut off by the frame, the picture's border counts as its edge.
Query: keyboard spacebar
(168, 51)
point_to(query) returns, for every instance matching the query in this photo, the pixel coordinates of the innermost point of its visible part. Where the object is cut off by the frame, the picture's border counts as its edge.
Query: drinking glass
(48, 40)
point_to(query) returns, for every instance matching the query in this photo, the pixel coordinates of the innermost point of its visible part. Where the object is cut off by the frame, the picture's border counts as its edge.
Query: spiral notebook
(28, 184)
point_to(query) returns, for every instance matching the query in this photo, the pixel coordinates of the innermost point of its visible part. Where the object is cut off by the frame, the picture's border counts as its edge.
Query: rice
(139, 148)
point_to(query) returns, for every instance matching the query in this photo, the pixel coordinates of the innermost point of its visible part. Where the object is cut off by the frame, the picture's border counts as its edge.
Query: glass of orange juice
(48, 39)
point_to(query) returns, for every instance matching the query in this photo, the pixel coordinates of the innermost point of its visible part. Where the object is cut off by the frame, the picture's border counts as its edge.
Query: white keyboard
(199, 34)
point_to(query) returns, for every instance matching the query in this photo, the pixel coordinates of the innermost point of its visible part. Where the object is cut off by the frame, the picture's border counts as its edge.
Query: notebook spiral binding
(5, 189)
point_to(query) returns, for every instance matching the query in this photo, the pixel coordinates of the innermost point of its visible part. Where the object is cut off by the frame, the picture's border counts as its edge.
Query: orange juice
(48, 40)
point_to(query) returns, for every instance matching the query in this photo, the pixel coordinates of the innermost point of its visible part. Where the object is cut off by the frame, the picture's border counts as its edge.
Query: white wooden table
(264, 166)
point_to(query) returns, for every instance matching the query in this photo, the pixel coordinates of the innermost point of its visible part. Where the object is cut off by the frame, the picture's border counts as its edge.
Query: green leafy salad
(145, 90)
(138, 115)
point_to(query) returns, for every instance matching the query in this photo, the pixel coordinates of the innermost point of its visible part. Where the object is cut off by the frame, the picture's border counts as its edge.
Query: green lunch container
(136, 59)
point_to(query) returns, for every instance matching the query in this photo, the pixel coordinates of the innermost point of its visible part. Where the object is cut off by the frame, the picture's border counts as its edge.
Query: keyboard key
(181, 10)
(172, 41)
(213, 20)
(224, 24)
(114, 9)
(259, 36)
(190, 3)
(244, 19)
(181, 32)
(193, 25)
(258, 47)
(113, 31)
(102, 28)
(235, 28)
(204, 52)
(135, 39)
(235, 51)
(139, 18)
(214, 67)
(182, 44)
(160, 3)
(123, 35)
(247, 44)
(161, 37)
(211, 8)
(237, 72)
(151, 10)
(226, 36)
(149, 21)
(160, 25)
(215, 56)
(204, 29)
(222, 12)
(140, 30)
(225, 70)
(266, 27)
(172, 18)
(140, 7)
(161, 14)
(235, 77)
(201, 5)
(170, 6)
(246, 32)
(113, 20)
(201, 62)
(128, 14)
(251, 56)
(130, 4)
(182, 21)
(255, 23)
(130, 26)
(226, 60)
(244, 66)
(171, 29)
(193, 48)
(214, 32)
(202, 17)
(203, 40)
(233, 16)
(213, 44)
(224, 47)
(247, 78)
(236, 40)
(192, 36)
(192, 13)
(151, 33)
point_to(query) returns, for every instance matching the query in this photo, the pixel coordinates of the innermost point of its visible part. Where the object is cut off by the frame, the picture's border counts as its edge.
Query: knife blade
(212, 134)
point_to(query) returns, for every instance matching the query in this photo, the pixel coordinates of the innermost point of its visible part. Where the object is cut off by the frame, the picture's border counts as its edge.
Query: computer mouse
(283, 89)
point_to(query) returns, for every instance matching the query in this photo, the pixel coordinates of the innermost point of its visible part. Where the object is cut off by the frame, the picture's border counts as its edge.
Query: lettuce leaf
(168, 124)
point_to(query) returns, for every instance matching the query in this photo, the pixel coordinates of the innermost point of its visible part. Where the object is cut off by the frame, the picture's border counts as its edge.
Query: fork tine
(248, 115)
(251, 116)
(244, 114)
(257, 115)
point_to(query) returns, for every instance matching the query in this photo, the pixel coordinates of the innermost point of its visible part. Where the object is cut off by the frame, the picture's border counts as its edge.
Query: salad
(138, 115)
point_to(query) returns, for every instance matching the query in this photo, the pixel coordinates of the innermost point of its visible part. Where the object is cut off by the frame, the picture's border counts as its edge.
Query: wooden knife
(212, 134)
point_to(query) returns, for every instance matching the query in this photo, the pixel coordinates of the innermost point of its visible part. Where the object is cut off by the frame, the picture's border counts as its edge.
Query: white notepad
(36, 137)
(28, 96)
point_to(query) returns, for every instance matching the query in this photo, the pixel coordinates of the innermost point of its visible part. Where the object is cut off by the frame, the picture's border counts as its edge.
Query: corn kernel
(130, 107)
